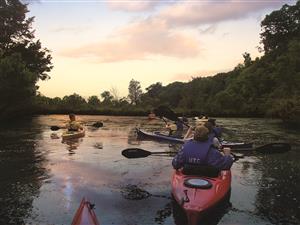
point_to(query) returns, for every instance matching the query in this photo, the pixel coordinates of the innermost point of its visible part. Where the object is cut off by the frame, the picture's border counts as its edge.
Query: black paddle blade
(54, 128)
(165, 112)
(97, 124)
(135, 153)
(274, 148)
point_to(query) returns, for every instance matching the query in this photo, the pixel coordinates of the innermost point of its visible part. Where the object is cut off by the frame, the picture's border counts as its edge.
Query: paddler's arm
(188, 133)
(178, 160)
(218, 160)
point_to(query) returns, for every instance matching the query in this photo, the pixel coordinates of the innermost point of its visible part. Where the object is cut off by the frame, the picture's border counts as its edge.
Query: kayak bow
(85, 214)
(197, 195)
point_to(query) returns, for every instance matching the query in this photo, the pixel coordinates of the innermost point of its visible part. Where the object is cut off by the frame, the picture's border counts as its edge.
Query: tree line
(265, 86)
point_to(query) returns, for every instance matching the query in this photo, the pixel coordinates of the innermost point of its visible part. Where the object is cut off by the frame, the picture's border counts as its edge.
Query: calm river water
(43, 180)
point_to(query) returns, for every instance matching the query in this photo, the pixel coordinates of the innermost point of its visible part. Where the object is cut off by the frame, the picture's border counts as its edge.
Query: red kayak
(85, 214)
(196, 194)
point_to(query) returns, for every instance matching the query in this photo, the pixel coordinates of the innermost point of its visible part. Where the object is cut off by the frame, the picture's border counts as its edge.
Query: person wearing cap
(200, 151)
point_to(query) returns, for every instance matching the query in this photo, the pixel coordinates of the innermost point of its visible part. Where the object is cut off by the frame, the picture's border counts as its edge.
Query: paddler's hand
(227, 151)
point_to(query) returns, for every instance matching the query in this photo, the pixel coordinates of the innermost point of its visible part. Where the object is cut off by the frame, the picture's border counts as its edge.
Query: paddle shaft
(159, 153)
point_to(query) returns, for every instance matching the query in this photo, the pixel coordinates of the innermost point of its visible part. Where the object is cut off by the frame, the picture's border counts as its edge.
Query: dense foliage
(266, 86)
(22, 59)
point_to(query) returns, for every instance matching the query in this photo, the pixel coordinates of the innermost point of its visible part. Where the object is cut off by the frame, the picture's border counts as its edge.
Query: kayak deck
(158, 136)
(85, 214)
(73, 134)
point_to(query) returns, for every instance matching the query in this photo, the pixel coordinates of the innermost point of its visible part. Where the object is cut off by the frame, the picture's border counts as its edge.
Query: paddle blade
(165, 112)
(97, 124)
(274, 148)
(135, 153)
(54, 128)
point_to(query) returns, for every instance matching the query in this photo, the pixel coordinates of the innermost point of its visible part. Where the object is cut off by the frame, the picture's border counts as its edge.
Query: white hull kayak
(73, 134)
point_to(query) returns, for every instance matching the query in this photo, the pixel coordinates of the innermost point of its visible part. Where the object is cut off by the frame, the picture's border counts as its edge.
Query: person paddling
(200, 151)
(72, 124)
(212, 135)
(215, 129)
(176, 129)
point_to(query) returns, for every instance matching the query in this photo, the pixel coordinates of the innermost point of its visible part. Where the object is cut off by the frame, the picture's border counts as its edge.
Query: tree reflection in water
(22, 170)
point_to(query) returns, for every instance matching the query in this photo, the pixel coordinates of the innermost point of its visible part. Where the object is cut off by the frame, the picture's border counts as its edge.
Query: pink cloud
(132, 6)
(140, 40)
(159, 34)
(194, 13)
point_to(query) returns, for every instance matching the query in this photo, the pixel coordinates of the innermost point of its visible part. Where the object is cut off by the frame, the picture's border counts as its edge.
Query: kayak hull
(197, 202)
(237, 146)
(73, 135)
(85, 215)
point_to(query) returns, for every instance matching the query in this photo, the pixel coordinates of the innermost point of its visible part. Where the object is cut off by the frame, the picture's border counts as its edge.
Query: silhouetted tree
(135, 92)
(22, 59)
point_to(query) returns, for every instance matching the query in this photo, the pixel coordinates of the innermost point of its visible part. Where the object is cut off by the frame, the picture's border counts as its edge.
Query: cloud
(140, 40)
(132, 6)
(162, 34)
(194, 13)
(75, 29)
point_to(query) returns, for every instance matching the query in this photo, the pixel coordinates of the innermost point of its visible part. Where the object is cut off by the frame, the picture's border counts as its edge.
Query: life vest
(195, 152)
(217, 131)
(211, 136)
(73, 126)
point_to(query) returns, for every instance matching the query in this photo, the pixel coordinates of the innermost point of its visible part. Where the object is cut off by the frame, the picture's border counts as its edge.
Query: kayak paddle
(55, 128)
(273, 148)
(140, 153)
(96, 125)
(164, 111)
(132, 153)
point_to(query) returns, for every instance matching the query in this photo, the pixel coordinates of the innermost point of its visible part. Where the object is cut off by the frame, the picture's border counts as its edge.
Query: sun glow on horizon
(99, 45)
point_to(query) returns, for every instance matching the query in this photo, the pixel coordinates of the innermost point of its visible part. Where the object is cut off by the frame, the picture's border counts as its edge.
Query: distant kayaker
(72, 124)
(200, 151)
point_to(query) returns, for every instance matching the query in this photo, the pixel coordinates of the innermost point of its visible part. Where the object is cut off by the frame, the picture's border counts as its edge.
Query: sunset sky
(99, 45)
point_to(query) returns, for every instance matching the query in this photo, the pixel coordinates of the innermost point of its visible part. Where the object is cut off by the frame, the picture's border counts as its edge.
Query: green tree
(94, 101)
(17, 85)
(135, 92)
(74, 101)
(279, 27)
(19, 50)
(247, 59)
(107, 97)
(154, 89)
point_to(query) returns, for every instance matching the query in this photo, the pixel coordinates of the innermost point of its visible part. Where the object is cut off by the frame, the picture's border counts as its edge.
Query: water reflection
(279, 187)
(42, 183)
(72, 144)
(22, 170)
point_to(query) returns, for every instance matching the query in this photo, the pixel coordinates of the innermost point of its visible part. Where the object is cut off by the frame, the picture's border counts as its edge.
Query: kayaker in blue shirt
(200, 151)
(212, 135)
(217, 130)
